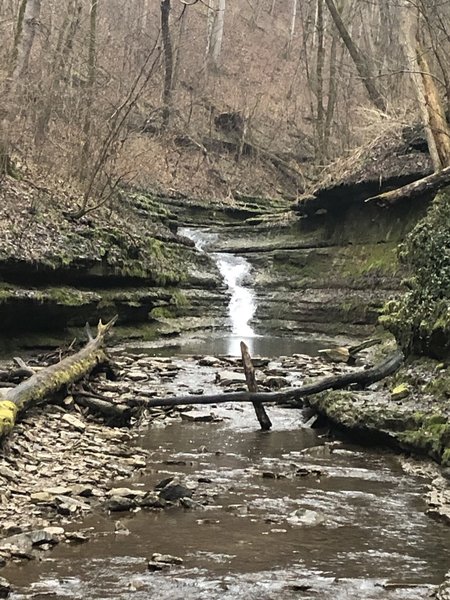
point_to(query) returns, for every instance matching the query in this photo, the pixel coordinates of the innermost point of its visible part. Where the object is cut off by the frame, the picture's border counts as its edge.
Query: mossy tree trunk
(47, 382)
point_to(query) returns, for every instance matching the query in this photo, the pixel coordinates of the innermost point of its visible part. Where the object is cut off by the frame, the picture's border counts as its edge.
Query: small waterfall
(234, 270)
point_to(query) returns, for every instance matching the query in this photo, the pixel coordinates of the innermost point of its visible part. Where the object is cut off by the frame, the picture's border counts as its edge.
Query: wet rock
(204, 480)
(21, 544)
(191, 504)
(299, 587)
(5, 588)
(166, 559)
(227, 378)
(157, 566)
(120, 529)
(273, 475)
(120, 504)
(78, 537)
(209, 361)
(137, 375)
(163, 483)
(126, 493)
(308, 518)
(173, 492)
(276, 382)
(198, 417)
(67, 505)
(152, 500)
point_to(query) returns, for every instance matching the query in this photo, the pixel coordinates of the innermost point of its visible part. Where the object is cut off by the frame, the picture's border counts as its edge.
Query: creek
(290, 513)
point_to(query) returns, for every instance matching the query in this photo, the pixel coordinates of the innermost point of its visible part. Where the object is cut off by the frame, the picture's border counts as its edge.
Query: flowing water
(287, 513)
(235, 271)
(288, 517)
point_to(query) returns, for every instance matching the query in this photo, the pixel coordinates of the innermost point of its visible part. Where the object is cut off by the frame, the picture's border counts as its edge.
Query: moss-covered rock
(420, 320)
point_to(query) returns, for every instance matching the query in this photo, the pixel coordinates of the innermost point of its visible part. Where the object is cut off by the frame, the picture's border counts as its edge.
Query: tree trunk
(320, 125)
(250, 377)
(50, 380)
(292, 27)
(179, 46)
(362, 377)
(28, 20)
(410, 37)
(168, 62)
(92, 75)
(27, 34)
(426, 185)
(216, 20)
(359, 60)
(437, 120)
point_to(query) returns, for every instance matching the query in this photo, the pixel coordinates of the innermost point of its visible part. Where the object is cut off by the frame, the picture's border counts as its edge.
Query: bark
(292, 27)
(168, 62)
(358, 58)
(92, 75)
(216, 20)
(28, 20)
(250, 377)
(50, 380)
(332, 91)
(27, 34)
(426, 185)
(363, 377)
(437, 120)
(61, 66)
(319, 74)
(179, 46)
(410, 37)
(117, 414)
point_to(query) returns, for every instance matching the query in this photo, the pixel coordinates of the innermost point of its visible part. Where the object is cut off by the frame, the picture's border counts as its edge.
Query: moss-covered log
(48, 381)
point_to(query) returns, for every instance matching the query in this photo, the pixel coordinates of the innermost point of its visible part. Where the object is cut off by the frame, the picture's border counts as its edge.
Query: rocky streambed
(199, 503)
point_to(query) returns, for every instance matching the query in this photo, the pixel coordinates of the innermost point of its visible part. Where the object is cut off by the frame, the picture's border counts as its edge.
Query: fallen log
(250, 378)
(48, 381)
(427, 185)
(363, 377)
(117, 414)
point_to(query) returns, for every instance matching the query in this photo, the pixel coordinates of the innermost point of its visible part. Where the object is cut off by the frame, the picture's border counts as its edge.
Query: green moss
(421, 319)
(446, 457)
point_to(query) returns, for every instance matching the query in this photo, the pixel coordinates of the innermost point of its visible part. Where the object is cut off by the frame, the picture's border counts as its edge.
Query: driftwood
(250, 377)
(363, 377)
(48, 381)
(427, 185)
(114, 413)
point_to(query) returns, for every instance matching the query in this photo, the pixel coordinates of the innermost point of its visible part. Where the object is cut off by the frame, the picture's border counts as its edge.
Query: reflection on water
(226, 344)
(235, 270)
(246, 542)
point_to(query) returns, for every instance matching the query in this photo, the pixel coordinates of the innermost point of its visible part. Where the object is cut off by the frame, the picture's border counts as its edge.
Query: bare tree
(168, 62)
(28, 21)
(216, 21)
(91, 79)
(358, 58)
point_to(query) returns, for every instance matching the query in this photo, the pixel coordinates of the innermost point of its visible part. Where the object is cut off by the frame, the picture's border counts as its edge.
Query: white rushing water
(234, 270)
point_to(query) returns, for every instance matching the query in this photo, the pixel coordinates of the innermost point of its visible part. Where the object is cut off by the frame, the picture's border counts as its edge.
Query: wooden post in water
(250, 377)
